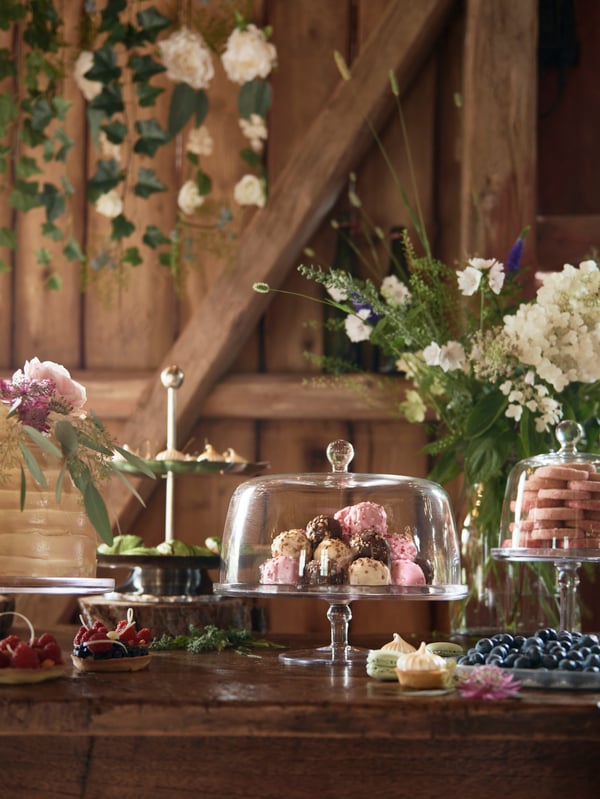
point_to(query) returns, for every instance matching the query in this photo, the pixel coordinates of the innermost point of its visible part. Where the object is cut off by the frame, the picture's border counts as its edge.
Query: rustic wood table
(229, 726)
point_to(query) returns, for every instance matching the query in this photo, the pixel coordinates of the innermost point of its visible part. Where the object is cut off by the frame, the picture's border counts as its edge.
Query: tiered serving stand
(170, 592)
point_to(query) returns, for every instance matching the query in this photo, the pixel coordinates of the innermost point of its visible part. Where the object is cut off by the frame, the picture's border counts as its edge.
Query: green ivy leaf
(67, 143)
(121, 228)
(41, 114)
(8, 238)
(105, 68)
(43, 256)
(251, 158)
(53, 201)
(50, 231)
(24, 196)
(255, 98)
(132, 256)
(11, 11)
(7, 64)
(54, 282)
(72, 251)
(61, 106)
(115, 131)
(108, 175)
(4, 266)
(154, 236)
(145, 67)
(152, 23)
(8, 111)
(148, 183)
(68, 187)
(109, 101)
(147, 94)
(152, 136)
(110, 14)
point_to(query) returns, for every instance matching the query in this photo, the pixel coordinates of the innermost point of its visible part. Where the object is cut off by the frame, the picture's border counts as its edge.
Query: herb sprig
(211, 639)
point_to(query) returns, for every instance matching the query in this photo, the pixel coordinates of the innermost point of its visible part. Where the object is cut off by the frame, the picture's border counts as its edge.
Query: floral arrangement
(123, 49)
(490, 374)
(42, 405)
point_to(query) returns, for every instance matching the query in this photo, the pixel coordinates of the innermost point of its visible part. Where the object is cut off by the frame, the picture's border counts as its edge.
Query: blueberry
(522, 662)
(568, 665)
(533, 640)
(503, 638)
(574, 654)
(509, 660)
(549, 661)
(499, 650)
(476, 659)
(591, 660)
(534, 654)
(484, 645)
(519, 640)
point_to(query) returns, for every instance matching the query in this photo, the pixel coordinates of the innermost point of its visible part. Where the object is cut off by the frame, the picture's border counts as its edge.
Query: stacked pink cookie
(354, 546)
(557, 507)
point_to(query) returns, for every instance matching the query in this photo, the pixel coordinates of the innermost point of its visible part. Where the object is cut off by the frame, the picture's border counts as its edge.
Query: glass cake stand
(55, 585)
(263, 507)
(543, 491)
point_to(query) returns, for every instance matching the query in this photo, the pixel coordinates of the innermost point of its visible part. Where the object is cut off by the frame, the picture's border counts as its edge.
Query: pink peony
(70, 390)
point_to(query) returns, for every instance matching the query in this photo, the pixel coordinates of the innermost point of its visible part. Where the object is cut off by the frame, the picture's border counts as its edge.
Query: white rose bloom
(394, 291)
(481, 263)
(199, 141)
(356, 329)
(249, 190)
(189, 198)
(248, 55)
(89, 88)
(468, 280)
(187, 58)
(109, 204)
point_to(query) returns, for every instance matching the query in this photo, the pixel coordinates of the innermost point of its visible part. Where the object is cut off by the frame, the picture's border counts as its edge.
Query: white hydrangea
(248, 55)
(255, 130)
(187, 58)
(558, 335)
(199, 141)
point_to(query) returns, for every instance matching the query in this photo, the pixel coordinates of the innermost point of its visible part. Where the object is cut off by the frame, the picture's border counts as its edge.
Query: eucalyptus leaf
(66, 435)
(42, 441)
(97, 513)
(130, 487)
(134, 460)
(33, 466)
(60, 482)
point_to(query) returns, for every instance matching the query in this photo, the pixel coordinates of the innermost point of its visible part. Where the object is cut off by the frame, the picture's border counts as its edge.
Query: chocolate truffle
(323, 527)
(370, 544)
(325, 572)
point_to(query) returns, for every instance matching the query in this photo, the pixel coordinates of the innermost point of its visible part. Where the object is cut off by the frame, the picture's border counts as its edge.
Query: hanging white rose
(200, 141)
(109, 204)
(248, 55)
(187, 58)
(189, 198)
(250, 191)
(89, 88)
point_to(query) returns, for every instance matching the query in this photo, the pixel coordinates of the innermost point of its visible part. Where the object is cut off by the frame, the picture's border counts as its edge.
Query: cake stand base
(326, 656)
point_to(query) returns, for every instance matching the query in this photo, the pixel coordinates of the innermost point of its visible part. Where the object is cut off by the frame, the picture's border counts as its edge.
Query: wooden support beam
(499, 107)
(298, 203)
(567, 239)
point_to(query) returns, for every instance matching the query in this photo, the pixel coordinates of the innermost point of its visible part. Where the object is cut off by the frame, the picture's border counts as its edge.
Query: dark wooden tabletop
(229, 725)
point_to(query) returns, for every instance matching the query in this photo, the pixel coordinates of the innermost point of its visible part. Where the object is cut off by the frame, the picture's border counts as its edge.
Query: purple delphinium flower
(516, 252)
(372, 318)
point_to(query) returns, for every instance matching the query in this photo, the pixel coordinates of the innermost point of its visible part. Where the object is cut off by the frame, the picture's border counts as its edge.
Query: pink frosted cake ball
(368, 571)
(291, 542)
(362, 516)
(401, 547)
(280, 570)
(405, 572)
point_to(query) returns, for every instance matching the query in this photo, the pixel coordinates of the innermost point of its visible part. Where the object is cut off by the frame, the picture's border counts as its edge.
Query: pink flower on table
(488, 682)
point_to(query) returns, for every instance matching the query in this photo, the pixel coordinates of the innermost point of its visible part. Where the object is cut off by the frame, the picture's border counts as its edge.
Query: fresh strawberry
(102, 646)
(24, 657)
(126, 633)
(81, 635)
(143, 637)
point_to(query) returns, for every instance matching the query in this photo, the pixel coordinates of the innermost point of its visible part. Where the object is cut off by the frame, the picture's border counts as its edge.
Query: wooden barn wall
(114, 337)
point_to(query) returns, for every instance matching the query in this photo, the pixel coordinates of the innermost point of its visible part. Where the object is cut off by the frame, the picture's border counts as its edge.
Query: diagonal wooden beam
(298, 203)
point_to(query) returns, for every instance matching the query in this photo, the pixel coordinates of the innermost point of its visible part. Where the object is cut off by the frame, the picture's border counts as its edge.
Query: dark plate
(194, 467)
(160, 561)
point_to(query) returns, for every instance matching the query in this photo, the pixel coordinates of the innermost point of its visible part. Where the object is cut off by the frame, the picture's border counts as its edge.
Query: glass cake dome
(341, 535)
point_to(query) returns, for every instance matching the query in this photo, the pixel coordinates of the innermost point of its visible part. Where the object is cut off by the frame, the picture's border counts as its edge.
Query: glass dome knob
(171, 377)
(339, 455)
(568, 435)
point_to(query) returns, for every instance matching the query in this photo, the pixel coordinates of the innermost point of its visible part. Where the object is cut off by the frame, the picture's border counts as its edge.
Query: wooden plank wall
(125, 339)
